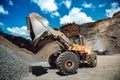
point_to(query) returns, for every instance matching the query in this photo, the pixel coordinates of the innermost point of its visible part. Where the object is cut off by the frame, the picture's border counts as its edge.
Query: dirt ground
(108, 68)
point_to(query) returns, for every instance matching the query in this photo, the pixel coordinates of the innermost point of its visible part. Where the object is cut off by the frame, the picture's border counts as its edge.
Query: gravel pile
(14, 64)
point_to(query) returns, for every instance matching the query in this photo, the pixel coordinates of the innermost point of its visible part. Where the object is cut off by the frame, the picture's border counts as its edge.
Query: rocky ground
(11, 67)
(108, 68)
(14, 61)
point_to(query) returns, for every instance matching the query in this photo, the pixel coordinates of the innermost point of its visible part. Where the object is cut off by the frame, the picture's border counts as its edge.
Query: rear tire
(92, 60)
(68, 63)
(52, 60)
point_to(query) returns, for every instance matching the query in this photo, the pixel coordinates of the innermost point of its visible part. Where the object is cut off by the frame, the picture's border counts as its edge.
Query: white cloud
(46, 5)
(53, 14)
(19, 31)
(101, 5)
(3, 11)
(67, 3)
(114, 8)
(1, 24)
(75, 15)
(10, 2)
(87, 5)
(114, 5)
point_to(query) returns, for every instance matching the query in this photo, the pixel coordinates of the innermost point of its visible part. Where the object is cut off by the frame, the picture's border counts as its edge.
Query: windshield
(75, 40)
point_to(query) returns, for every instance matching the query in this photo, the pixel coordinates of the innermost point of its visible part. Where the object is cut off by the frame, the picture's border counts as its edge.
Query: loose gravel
(14, 64)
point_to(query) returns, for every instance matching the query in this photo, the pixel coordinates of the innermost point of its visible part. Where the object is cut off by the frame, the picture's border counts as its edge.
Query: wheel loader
(62, 52)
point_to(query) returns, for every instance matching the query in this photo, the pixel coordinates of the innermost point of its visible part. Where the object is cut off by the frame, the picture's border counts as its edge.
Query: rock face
(103, 35)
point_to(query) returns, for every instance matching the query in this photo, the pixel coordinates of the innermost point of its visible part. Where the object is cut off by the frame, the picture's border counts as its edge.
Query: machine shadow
(84, 65)
(38, 70)
(60, 74)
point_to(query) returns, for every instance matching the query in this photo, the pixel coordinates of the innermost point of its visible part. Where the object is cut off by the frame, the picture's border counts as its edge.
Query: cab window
(75, 40)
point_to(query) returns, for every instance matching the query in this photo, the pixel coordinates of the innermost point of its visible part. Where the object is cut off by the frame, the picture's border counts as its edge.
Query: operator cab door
(78, 40)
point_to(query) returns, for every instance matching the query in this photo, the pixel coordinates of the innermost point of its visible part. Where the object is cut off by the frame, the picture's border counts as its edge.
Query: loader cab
(79, 39)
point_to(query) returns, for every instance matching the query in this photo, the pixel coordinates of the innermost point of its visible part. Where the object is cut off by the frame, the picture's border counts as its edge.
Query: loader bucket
(39, 24)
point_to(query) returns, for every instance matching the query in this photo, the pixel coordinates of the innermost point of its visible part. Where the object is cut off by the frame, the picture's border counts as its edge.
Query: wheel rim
(69, 64)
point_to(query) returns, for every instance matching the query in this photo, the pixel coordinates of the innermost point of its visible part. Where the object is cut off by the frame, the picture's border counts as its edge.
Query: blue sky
(58, 12)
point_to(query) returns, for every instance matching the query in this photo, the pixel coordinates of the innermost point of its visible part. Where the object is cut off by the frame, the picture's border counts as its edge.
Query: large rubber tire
(68, 63)
(52, 60)
(92, 60)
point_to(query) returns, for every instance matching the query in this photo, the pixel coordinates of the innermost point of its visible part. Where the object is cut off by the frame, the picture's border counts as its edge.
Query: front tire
(68, 63)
